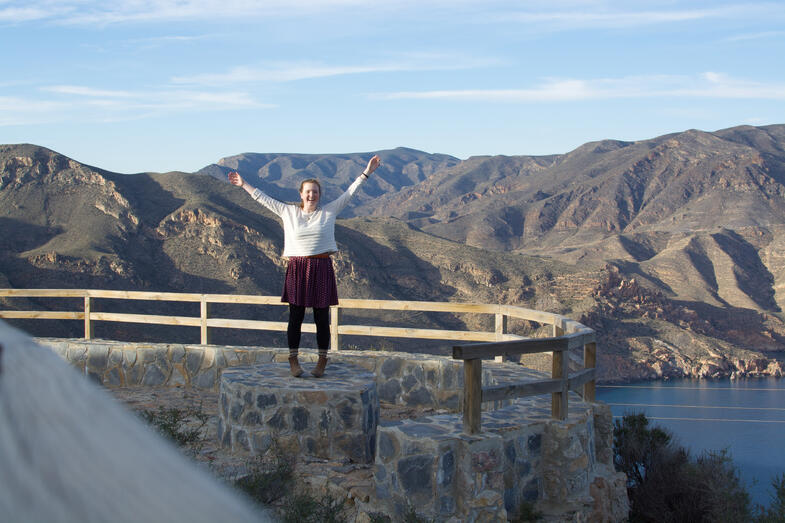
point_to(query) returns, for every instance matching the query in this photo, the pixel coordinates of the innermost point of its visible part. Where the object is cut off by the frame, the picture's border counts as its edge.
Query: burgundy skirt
(310, 282)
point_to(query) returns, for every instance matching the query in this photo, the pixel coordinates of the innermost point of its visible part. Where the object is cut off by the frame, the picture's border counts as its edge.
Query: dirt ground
(351, 481)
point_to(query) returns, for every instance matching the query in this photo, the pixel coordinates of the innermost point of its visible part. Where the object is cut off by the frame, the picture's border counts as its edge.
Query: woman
(309, 239)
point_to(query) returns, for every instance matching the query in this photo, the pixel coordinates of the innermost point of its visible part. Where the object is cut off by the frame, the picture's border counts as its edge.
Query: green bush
(304, 507)
(666, 485)
(270, 477)
(271, 481)
(775, 513)
(185, 427)
(716, 492)
(411, 516)
(526, 512)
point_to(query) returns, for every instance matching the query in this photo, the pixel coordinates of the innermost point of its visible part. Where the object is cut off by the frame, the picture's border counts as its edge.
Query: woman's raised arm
(271, 203)
(373, 163)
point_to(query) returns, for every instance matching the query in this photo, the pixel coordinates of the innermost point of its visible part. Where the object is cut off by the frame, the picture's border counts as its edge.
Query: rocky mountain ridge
(601, 189)
(279, 175)
(671, 247)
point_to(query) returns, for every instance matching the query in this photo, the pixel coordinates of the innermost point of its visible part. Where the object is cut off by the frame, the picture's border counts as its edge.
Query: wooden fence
(566, 334)
(560, 384)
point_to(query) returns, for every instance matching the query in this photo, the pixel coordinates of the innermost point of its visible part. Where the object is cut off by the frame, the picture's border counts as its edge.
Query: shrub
(185, 427)
(411, 516)
(775, 513)
(715, 490)
(304, 507)
(270, 477)
(665, 484)
(526, 512)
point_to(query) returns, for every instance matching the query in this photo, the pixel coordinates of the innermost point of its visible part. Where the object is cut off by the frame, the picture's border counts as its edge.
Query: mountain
(696, 215)
(280, 174)
(65, 224)
(672, 248)
(691, 181)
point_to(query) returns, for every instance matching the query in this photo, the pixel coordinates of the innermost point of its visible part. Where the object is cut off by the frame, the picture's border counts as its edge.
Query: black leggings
(321, 317)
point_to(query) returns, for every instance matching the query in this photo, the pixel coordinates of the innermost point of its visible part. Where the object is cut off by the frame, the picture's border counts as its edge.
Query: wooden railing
(560, 384)
(566, 334)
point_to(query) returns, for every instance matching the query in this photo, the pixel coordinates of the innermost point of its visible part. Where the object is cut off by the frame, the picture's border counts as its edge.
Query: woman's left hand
(373, 163)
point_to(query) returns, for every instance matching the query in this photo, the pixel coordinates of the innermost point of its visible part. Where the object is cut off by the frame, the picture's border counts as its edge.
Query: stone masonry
(412, 380)
(333, 417)
(522, 457)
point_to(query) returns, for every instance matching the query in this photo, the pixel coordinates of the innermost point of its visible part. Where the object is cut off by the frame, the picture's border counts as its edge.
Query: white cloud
(79, 90)
(559, 14)
(157, 99)
(23, 14)
(756, 36)
(706, 85)
(80, 103)
(23, 111)
(10, 104)
(99, 12)
(212, 100)
(162, 40)
(606, 16)
(292, 71)
(620, 19)
(280, 73)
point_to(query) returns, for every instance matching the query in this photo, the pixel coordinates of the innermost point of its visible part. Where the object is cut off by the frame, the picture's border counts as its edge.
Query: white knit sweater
(306, 234)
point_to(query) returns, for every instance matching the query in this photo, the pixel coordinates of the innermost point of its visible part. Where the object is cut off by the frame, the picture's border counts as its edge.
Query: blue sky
(159, 85)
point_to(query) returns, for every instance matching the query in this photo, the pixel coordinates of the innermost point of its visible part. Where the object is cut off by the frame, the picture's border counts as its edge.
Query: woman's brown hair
(309, 180)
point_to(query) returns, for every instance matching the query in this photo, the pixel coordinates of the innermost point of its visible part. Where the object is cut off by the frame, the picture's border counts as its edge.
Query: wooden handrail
(205, 321)
(567, 334)
(559, 385)
(479, 351)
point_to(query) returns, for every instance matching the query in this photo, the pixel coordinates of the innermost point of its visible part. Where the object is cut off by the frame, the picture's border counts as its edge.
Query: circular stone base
(333, 417)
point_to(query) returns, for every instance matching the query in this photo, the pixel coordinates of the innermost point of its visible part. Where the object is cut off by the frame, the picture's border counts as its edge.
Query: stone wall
(333, 417)
(522, 457)
(120, 364)
(413, 380)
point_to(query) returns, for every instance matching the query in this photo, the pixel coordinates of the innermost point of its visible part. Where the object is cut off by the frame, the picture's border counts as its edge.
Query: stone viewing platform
(522, 457)
(333, 417)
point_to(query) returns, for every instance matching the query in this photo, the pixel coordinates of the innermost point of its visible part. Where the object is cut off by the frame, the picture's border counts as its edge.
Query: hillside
(65, 224)
(710, 204)
(280, 174)
(691, 181)
(670, 247)
(695, 214)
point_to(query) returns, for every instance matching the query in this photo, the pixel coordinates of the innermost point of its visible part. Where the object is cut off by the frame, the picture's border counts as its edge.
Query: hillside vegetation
(671, 247)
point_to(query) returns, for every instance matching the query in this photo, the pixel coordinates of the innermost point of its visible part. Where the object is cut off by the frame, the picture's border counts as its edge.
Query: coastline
(614, 370)
(745, 416)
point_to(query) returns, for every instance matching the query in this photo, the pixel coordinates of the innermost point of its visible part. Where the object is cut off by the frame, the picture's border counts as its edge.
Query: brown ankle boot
(294, 366)
(318, 372)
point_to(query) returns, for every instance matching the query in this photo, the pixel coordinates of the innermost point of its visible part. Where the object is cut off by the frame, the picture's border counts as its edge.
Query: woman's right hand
(235, 179)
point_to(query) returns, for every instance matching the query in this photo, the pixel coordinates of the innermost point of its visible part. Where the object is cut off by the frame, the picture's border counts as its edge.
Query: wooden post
(565, 384)
(559, 399)
(472, 396)
(501, 328)
(589, 362)
(88, 325)
(335, 313)
(203, 315)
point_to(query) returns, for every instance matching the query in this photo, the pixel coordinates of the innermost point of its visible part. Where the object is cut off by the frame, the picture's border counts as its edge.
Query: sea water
(746, 417)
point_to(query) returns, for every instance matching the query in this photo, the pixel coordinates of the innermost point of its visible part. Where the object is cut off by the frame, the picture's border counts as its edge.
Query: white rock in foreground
(70, 453)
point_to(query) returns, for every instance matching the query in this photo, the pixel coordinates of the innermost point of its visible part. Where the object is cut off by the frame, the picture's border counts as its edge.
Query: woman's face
(310, 194)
